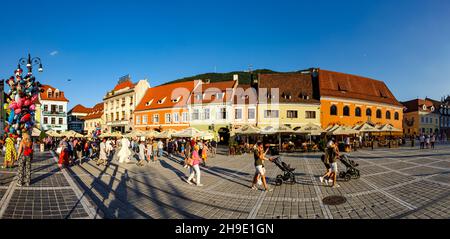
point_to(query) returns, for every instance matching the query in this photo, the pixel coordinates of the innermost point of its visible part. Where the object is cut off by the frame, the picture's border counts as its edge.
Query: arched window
(333, 110)
(396, 116)
(378, 114)
(346, 111)
(358, 112)
(388, 114)
(368, 112)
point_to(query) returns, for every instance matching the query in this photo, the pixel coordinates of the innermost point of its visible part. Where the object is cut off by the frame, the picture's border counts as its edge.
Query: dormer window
(199, 96)
(219, 96)
(176, 100)
(161, 100)
(382, 94)
(149, 102)
(424, 107)
(432, 108)
(341, 87)
(49, 93)
(56, 93)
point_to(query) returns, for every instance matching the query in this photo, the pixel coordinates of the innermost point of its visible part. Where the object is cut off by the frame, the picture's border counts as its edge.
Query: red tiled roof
(245, 94)
(44, 95)
(335, 84)
(209, 91)
(167, 96)
(95, 112)
(123, 85)
(79, 109)
(417, 105)
(292, 87)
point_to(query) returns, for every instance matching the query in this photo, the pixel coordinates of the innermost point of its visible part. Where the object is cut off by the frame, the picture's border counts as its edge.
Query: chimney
(207, 81)
(235, 77)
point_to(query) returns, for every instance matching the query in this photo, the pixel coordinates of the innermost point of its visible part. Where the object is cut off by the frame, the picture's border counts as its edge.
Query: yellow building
(94, 120)
(287, 100)
(420, 117)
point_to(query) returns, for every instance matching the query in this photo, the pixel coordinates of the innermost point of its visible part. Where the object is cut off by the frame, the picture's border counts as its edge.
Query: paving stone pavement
(52, 193)
(395, 183)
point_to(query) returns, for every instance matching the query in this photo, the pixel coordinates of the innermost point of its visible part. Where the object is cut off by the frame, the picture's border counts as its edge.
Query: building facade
(351, 100)
(94, 120)
(421, 117)
(165, 107)
(211, 107)
(53, 109)
(287, 100)
(244, 108)
(74, 118)
(120, 103)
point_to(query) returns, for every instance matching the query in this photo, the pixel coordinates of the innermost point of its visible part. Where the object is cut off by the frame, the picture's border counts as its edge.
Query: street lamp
(29, 63)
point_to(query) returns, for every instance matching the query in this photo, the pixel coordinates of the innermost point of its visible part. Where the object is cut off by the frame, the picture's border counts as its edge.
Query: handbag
(190, 161)
(58, 150)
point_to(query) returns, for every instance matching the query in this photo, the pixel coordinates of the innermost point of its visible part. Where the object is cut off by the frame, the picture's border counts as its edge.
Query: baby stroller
(288, 172)
(351, 171)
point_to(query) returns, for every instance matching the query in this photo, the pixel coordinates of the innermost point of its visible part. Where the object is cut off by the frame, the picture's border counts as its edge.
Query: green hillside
(244, 77)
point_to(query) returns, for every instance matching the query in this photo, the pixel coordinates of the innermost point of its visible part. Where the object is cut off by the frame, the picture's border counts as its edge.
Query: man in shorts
(333, 166)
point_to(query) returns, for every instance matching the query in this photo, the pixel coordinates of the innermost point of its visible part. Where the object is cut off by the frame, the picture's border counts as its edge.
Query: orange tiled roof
(79, 109)
(167, 96)
(245, 94)
(123, 85)
(95, 112)
(209, 90)
(44, 95)
(343, 85)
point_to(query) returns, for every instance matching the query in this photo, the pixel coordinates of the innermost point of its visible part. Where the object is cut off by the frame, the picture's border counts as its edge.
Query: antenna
(250, 68)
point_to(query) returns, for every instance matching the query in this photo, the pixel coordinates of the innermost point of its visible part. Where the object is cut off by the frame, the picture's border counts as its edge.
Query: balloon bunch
(20, 102)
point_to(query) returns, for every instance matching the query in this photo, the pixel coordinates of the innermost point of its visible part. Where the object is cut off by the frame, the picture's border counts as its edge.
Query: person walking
(25, 157)
(433, 140)
(326, 161)
(149, 151)
(160, 148)
(427, 141)
(103, 154)
(10, 153)
(124, 153)
(213, 148)
(141, 153)
(155, 151)
(422, 141)
(260, 172)
(205, 154)
(194, 168)
(64, 154)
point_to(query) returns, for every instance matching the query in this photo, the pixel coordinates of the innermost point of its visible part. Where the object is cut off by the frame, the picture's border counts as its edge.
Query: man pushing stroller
(330, 160)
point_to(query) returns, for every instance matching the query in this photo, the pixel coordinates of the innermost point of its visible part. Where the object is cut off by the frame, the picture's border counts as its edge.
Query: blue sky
(405, 43)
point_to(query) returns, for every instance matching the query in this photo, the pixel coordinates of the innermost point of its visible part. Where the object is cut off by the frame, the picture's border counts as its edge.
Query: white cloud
(54, 53)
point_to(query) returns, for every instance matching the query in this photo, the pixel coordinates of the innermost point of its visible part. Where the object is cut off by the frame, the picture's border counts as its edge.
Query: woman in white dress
(124, 153)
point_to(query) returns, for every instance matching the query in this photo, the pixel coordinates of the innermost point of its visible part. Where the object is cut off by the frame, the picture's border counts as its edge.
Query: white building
(53, 115)
(119, 105)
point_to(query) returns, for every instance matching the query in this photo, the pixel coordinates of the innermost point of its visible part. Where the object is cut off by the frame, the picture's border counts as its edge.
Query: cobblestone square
(395, 183)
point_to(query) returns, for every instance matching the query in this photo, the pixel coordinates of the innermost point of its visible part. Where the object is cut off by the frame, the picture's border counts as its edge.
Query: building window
(206, 115)
(379, 114)
(123, 115)
(219, 96)
(185, 117)
(53, 120)
(60, 108)
(358, 112)
(144, 119)
(155, 118)
(53, 108)
(222, 114)
(176, 118)
(168, 118)
(251, 114)
(333, 110)
(388, 115)
(138, 119)
(271, 114)
(195, 114)
(310, 114)
(368, 112)
(49, 93)
(422, 119)
(346, 111)
(238, 114)
(45, 108)
(45, 120)
(60, 121)
(292, 114)
(396, 116)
